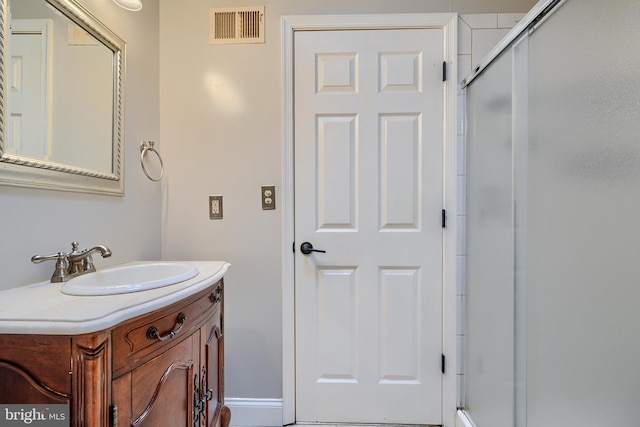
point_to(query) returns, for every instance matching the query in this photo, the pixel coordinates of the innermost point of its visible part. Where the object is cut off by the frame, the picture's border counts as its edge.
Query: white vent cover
(236, 25)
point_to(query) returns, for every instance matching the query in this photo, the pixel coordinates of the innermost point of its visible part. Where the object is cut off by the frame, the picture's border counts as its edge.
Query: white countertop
(41, 308)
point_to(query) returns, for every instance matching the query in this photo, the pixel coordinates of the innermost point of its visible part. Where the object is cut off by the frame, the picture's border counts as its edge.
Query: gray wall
(44, 222)
(221, 130)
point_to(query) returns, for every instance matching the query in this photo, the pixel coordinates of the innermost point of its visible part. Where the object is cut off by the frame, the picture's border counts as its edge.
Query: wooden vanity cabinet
(161, 369)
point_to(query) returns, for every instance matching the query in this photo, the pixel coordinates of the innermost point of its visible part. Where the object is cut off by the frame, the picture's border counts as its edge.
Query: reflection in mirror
(64, 74)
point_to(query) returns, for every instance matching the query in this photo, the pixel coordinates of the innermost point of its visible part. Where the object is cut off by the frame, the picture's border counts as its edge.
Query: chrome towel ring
(145, 147)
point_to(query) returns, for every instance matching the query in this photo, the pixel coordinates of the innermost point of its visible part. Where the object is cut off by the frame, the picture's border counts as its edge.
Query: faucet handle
(87, 264)
(60, 272)
(37, 259)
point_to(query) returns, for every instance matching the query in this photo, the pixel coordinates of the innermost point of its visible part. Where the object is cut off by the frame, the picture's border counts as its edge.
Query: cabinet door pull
(153, 332)
(218, 332)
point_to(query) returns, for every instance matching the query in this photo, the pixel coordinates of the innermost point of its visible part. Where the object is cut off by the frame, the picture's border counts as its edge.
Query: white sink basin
(130, 278)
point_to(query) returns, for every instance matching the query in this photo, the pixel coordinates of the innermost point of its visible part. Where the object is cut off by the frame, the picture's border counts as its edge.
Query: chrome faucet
(75, 263)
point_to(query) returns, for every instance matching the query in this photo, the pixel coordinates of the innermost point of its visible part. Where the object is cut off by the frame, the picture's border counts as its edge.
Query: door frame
(448, 22)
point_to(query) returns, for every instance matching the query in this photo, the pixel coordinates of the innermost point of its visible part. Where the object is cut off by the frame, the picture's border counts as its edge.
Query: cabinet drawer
(138, 339)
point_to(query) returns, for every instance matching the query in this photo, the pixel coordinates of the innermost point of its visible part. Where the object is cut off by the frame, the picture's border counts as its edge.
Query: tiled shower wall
(477, 35)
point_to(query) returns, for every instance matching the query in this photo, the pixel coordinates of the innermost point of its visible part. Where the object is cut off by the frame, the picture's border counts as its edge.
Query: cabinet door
(153, 395)
(17, 386)
(35, 369)
(212, 369)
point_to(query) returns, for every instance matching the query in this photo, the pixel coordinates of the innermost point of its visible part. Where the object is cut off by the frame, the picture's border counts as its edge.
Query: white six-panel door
(368, 141)
(29, 95)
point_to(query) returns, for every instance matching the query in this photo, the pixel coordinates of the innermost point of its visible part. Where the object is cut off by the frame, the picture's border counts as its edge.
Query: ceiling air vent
(236, 25)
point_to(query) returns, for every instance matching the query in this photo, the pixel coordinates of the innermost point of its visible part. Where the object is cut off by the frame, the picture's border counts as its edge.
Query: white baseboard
(462, 420)
(268, 413)
(255, 412)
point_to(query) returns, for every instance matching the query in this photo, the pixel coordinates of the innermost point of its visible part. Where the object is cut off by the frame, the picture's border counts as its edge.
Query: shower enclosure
(553, 210)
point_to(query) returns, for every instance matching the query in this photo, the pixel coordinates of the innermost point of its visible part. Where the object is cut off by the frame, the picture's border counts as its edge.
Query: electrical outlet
(215, 207)
(268, 197)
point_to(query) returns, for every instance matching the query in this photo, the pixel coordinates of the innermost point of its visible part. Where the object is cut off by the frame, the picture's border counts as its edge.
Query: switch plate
(215, 207)
(268, 197)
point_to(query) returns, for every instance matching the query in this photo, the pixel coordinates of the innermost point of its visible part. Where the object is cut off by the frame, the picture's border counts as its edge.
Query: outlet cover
(215, 207)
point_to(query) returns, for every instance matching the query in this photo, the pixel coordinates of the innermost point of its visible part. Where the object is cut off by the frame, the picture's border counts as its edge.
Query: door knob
(306, 248)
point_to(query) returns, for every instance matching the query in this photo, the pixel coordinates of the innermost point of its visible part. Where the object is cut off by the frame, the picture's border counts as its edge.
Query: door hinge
(444, 218)
(444, 71)
(443, 363)
(114, 416)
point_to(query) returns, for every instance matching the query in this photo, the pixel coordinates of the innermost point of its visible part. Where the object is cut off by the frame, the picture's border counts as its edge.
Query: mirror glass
(62, 122)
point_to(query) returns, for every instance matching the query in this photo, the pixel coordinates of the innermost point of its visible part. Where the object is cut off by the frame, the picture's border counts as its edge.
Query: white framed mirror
(61, 125)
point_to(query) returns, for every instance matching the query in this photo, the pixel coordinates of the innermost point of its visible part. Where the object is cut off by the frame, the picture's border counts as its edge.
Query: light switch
(268, 197)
